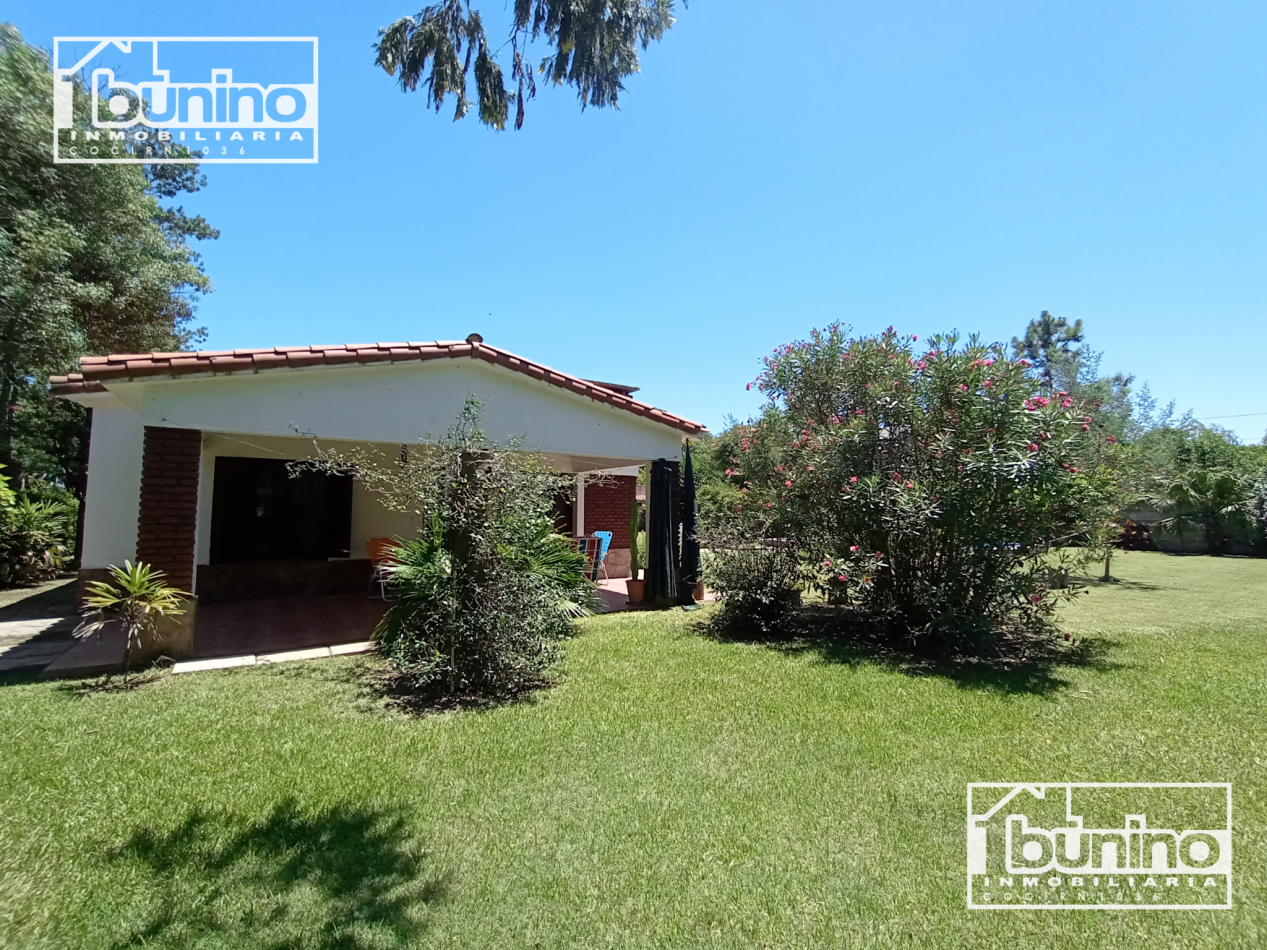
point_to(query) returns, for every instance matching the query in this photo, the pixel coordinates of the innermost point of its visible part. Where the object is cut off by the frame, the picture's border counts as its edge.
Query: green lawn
(673, 791)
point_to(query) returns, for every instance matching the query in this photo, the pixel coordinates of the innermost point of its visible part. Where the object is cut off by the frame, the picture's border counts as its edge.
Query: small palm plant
(137, 597)
(1214, 502)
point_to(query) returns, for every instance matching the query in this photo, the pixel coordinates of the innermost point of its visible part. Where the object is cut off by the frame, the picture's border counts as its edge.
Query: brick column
(166, 528)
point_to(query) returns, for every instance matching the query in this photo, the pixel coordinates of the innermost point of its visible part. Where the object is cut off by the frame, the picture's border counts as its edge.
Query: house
(187, 464)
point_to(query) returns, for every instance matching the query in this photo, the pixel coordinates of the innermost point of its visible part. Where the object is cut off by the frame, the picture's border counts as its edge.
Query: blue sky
(777, 166)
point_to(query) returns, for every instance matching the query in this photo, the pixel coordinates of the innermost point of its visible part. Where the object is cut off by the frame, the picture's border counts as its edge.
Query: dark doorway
(260, 513)
(565, 511)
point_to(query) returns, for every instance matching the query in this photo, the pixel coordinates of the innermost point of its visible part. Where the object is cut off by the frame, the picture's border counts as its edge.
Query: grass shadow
(387, 689)
(1018, 663)
(376, 686)
(346, 878)
(1116, 583)
(113, 682)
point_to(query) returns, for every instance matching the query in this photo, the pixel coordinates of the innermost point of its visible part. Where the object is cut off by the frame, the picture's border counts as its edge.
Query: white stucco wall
(402, 402)
(114, 482)
(262, 415)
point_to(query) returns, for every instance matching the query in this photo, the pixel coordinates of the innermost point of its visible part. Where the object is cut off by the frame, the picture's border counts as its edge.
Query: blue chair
(600, 559)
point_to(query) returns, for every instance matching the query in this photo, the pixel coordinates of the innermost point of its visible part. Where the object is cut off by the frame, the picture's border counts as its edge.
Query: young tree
(593, 47)
(1049, 346)
(486, 590)
(90, 262)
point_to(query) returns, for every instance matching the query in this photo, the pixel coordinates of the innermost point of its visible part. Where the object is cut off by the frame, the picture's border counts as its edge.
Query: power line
(1239, 415)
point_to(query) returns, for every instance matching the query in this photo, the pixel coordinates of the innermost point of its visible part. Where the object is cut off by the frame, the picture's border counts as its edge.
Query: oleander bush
(934, 490)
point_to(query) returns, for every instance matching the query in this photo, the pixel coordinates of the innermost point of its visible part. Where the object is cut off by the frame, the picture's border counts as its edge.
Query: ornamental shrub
(760, 571)
(486, 590)
(928, 487)
(36, 537)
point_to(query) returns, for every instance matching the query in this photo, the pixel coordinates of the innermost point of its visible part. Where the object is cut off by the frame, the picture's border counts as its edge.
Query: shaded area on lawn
(35, 627)
(379, 687)
(347, 877)
(1022, 663)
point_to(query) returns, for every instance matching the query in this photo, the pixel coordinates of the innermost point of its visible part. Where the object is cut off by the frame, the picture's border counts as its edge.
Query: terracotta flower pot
(698, 593)
(637, 590)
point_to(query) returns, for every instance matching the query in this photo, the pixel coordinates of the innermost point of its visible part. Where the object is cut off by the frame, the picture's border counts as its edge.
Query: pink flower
(1085, 428)
(787, 484)
(1033, 446)
(853, 549)
(826, 560)
(750, 387)
(910, 484)
(963, 387)
(1112, 440)
(986, 383)
(769, 504)
(809, 468)
(842, 578)
(730, 471)
(915, 337)
(868, 385)
(853, 480)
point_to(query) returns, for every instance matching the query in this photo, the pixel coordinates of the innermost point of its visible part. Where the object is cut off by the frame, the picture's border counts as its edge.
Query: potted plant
(637, 586)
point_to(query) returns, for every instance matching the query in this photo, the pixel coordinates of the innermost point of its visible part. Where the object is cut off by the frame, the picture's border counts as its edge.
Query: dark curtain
(662, 574)
(691, 566)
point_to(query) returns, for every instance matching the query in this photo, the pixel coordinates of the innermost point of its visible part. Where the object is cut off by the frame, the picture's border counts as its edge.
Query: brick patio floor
(284, 623)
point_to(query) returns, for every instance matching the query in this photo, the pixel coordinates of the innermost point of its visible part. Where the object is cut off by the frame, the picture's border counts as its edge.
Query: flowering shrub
(925, 485)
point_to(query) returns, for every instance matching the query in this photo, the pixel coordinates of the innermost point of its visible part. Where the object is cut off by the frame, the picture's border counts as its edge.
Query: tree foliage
(927, 487)
(35, 536)
(1048, 345)
(593, 47)
(90, 262)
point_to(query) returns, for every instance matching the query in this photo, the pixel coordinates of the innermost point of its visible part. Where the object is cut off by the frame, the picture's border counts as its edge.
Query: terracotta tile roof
(96, 371)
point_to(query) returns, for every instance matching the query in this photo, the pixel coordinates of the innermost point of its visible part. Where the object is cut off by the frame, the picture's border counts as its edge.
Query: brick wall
(169, 503)
(607, 507)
